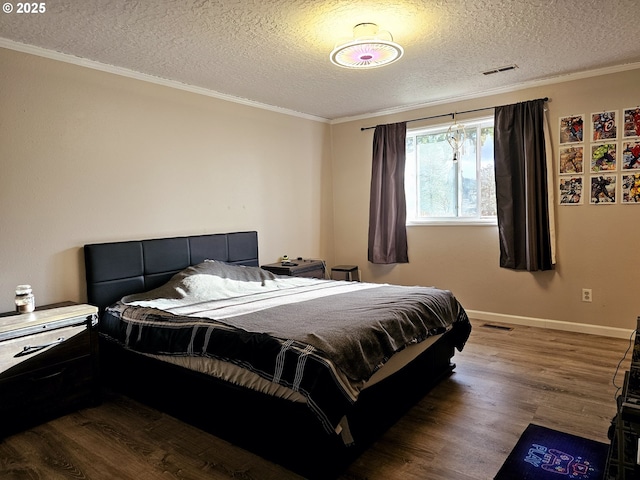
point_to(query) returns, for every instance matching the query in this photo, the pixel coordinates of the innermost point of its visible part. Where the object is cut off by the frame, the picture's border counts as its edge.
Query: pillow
(209, 280)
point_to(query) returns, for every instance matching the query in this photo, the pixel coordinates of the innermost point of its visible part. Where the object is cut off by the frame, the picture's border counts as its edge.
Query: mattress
(322, 341)
(240, 376)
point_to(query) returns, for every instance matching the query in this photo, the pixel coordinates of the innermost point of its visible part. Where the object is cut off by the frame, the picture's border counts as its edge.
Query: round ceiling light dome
(369, 48)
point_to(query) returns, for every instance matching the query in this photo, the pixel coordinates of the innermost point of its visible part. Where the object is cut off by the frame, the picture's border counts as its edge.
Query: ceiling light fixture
(369, 48)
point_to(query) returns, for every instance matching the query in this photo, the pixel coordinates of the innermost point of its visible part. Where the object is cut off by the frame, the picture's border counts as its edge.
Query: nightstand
(300, 267)
(348, 272)
(48, 364)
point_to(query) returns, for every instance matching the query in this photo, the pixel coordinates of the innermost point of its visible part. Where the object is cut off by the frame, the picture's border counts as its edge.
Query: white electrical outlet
(586, 295)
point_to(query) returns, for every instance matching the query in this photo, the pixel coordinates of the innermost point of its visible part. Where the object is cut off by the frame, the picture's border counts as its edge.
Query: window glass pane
(440, 189)
(410, 182)
(487, 174)
(468, 176)
(436, 176)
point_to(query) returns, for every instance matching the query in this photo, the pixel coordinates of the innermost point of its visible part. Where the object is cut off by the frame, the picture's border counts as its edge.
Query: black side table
(48, 364)
(300, 267)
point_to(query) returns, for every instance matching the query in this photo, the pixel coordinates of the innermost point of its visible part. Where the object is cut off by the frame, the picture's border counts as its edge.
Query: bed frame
(282, 431)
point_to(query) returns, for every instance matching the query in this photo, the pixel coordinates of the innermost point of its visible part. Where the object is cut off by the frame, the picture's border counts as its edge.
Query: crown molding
(486, 93)
(125, 72)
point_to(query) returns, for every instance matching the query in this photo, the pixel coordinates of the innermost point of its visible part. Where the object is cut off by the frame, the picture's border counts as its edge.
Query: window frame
(412, 199)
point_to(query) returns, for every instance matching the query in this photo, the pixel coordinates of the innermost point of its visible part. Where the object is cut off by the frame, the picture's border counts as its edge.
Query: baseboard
(552, 324)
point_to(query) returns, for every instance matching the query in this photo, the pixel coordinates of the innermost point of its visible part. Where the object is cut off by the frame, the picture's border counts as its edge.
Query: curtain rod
(452, 114)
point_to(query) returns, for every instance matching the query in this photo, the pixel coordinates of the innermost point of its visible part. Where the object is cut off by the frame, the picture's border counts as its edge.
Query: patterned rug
(545, 454)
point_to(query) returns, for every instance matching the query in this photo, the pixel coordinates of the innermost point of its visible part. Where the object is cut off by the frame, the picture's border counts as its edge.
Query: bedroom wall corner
(89, 156)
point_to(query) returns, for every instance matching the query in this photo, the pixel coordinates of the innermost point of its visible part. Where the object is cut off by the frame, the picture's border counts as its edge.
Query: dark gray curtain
(522, 194)
(388, 209)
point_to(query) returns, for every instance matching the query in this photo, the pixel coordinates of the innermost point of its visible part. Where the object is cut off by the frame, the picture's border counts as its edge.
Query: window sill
(453, 223)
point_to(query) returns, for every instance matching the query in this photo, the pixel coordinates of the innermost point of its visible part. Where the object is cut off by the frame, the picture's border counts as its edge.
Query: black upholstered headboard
(116, 269)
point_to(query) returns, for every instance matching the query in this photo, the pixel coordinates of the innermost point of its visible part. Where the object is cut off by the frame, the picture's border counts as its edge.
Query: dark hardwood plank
(504, 380)
(462, 430)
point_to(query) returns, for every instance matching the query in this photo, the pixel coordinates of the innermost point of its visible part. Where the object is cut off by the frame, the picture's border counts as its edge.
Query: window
(440, 190)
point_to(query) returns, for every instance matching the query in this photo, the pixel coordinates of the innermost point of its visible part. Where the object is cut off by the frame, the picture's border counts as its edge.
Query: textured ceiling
(276, 52)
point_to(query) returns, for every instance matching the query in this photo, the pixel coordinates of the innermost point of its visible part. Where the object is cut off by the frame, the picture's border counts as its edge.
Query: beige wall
(88, 156)
(597, 245)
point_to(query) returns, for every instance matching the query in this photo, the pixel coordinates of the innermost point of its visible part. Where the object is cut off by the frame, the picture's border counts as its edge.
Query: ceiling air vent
(500, 69)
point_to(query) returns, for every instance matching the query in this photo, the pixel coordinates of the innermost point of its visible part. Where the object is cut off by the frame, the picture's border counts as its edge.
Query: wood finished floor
(463, 430)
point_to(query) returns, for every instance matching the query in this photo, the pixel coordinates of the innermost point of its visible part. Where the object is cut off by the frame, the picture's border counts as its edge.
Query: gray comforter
(288, 329)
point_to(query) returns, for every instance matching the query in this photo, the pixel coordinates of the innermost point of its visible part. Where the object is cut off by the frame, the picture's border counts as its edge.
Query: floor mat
(545, 454)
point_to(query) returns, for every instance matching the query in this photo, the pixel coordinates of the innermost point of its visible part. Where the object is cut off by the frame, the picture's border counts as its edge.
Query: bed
(304, 372)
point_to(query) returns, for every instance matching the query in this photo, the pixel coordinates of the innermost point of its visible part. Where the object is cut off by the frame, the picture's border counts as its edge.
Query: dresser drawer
(46, 374)
(32, 352)
(47, 389)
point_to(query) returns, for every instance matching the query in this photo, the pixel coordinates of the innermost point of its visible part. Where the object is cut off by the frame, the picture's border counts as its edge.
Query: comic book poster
(631, 122)
(603, 157)
(571, 159)
(603, 126)
(570, 190)
(603, 189)
(631, 155)
(630, 188)
(572, 129)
